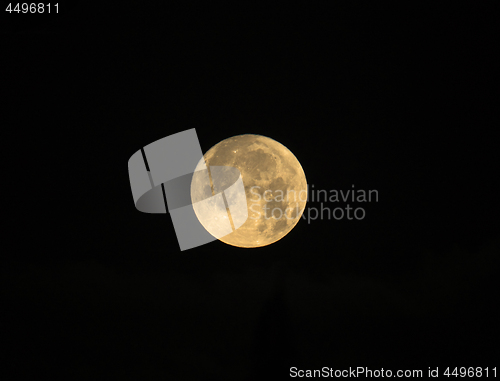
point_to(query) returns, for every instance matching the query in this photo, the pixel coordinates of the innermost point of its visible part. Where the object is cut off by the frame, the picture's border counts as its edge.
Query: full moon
(274, 185)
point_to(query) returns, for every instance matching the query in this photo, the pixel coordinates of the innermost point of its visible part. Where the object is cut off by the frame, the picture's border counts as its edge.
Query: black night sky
(403, 102)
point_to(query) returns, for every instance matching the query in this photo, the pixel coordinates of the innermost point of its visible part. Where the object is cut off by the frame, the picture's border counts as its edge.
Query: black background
(404, 101)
